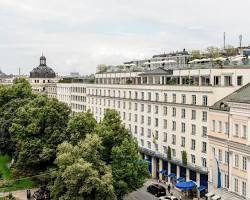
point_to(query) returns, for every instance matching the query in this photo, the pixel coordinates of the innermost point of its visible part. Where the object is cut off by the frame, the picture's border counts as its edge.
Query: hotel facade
(167, 111)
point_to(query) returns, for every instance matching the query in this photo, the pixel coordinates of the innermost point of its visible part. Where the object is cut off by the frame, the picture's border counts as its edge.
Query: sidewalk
(175, 192)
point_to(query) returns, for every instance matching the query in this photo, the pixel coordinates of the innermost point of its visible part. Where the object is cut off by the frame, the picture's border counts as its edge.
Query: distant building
(42, 76)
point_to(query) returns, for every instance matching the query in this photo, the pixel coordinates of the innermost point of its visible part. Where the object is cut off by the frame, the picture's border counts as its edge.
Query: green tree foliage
(80, 125)
(112, 132)
(128, 169)
(38, 127)
(82, 174)
(196, 54)
(184, 157)
(231, 51)
(213, 52)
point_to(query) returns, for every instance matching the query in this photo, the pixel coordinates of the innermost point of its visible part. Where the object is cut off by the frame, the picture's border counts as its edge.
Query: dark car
(157, 190)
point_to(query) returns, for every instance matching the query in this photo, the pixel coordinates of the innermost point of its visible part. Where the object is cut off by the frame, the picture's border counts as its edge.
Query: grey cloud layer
(77, 35)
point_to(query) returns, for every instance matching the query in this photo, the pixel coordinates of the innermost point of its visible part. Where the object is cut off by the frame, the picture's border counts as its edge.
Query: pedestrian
(28, 194)
(169, 188)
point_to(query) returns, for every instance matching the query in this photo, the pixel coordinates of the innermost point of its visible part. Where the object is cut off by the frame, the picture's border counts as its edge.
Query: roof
(157, 71)
(241, 95)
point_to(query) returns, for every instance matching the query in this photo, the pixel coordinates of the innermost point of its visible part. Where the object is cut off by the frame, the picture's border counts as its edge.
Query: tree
(128, 169)
(184, 157)
(169, 153)
(102, 68)
(213, 52)
(231, 51)
(38, 127)
(80, 125)
(196, 54)
(112, 132)
(81, 172)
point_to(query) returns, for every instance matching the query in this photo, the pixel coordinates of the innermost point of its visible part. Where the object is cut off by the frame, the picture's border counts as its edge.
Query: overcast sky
(77, 35)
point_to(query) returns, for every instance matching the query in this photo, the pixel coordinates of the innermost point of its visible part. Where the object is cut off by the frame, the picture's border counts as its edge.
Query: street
(142, 194)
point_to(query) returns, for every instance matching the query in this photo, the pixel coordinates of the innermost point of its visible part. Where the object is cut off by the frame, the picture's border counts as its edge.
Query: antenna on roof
(240, 39)
(224, 40)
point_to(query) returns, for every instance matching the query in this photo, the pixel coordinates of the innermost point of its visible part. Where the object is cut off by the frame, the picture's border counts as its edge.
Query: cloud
(78, 35)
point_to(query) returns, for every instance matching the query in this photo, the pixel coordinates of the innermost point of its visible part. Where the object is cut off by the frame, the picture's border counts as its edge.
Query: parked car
(157, 190)
(168, 198)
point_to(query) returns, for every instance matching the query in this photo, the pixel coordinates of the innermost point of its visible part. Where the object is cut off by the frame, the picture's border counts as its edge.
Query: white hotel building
(162, 108)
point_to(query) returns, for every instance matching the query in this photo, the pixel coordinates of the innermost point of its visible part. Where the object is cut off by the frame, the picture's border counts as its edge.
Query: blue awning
(185, 185)
(163, 171)
(172, 175)
(180, 179)
(202, 187)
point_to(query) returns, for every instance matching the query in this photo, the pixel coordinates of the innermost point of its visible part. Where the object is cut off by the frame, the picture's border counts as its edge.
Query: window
(173, 153)
(135, 117)
(226, 157)
(236, 185)
(220, 155)
(142, 119)
(244, 188)
(165, 97)
(142, 142)
(174, 98)
(129, 105)
(183, 127)
(226, 128)
(156, 136)
(156, 96)
(173, 139)
(194, 99)
(193, 115)
(204, 131)
(165, 110)
(183, 98)
(236, 130)
(149, 108)
(165, 123)
(156, 109)
(165, 137)
(193, 158)
(156, 122)
(149, 145)
(173, 112)
(149, 133)
(239, 80)
(129, 117)
(149, 121)
(193, 129)
(142, 131)
(226, 185)
(204, 116)
(236, 160)
(227, 80)
(135, 129)
(136, 95)
(204, 100)
(204, 162)
(142, 107)
(220, 127)
(183, 141)
(149, 96)
(183, 113)
(204, 147)
(136, 106)
(156, 147)
(216, 80)
(213, 125)
(244, 163)
(244, 131)
(142, 95)
(124, 105)
(174, 125)
(192, 144)
(165, 149)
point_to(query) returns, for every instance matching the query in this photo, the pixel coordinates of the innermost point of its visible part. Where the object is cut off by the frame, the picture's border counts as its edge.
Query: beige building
(164, 109)
(229, 141)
